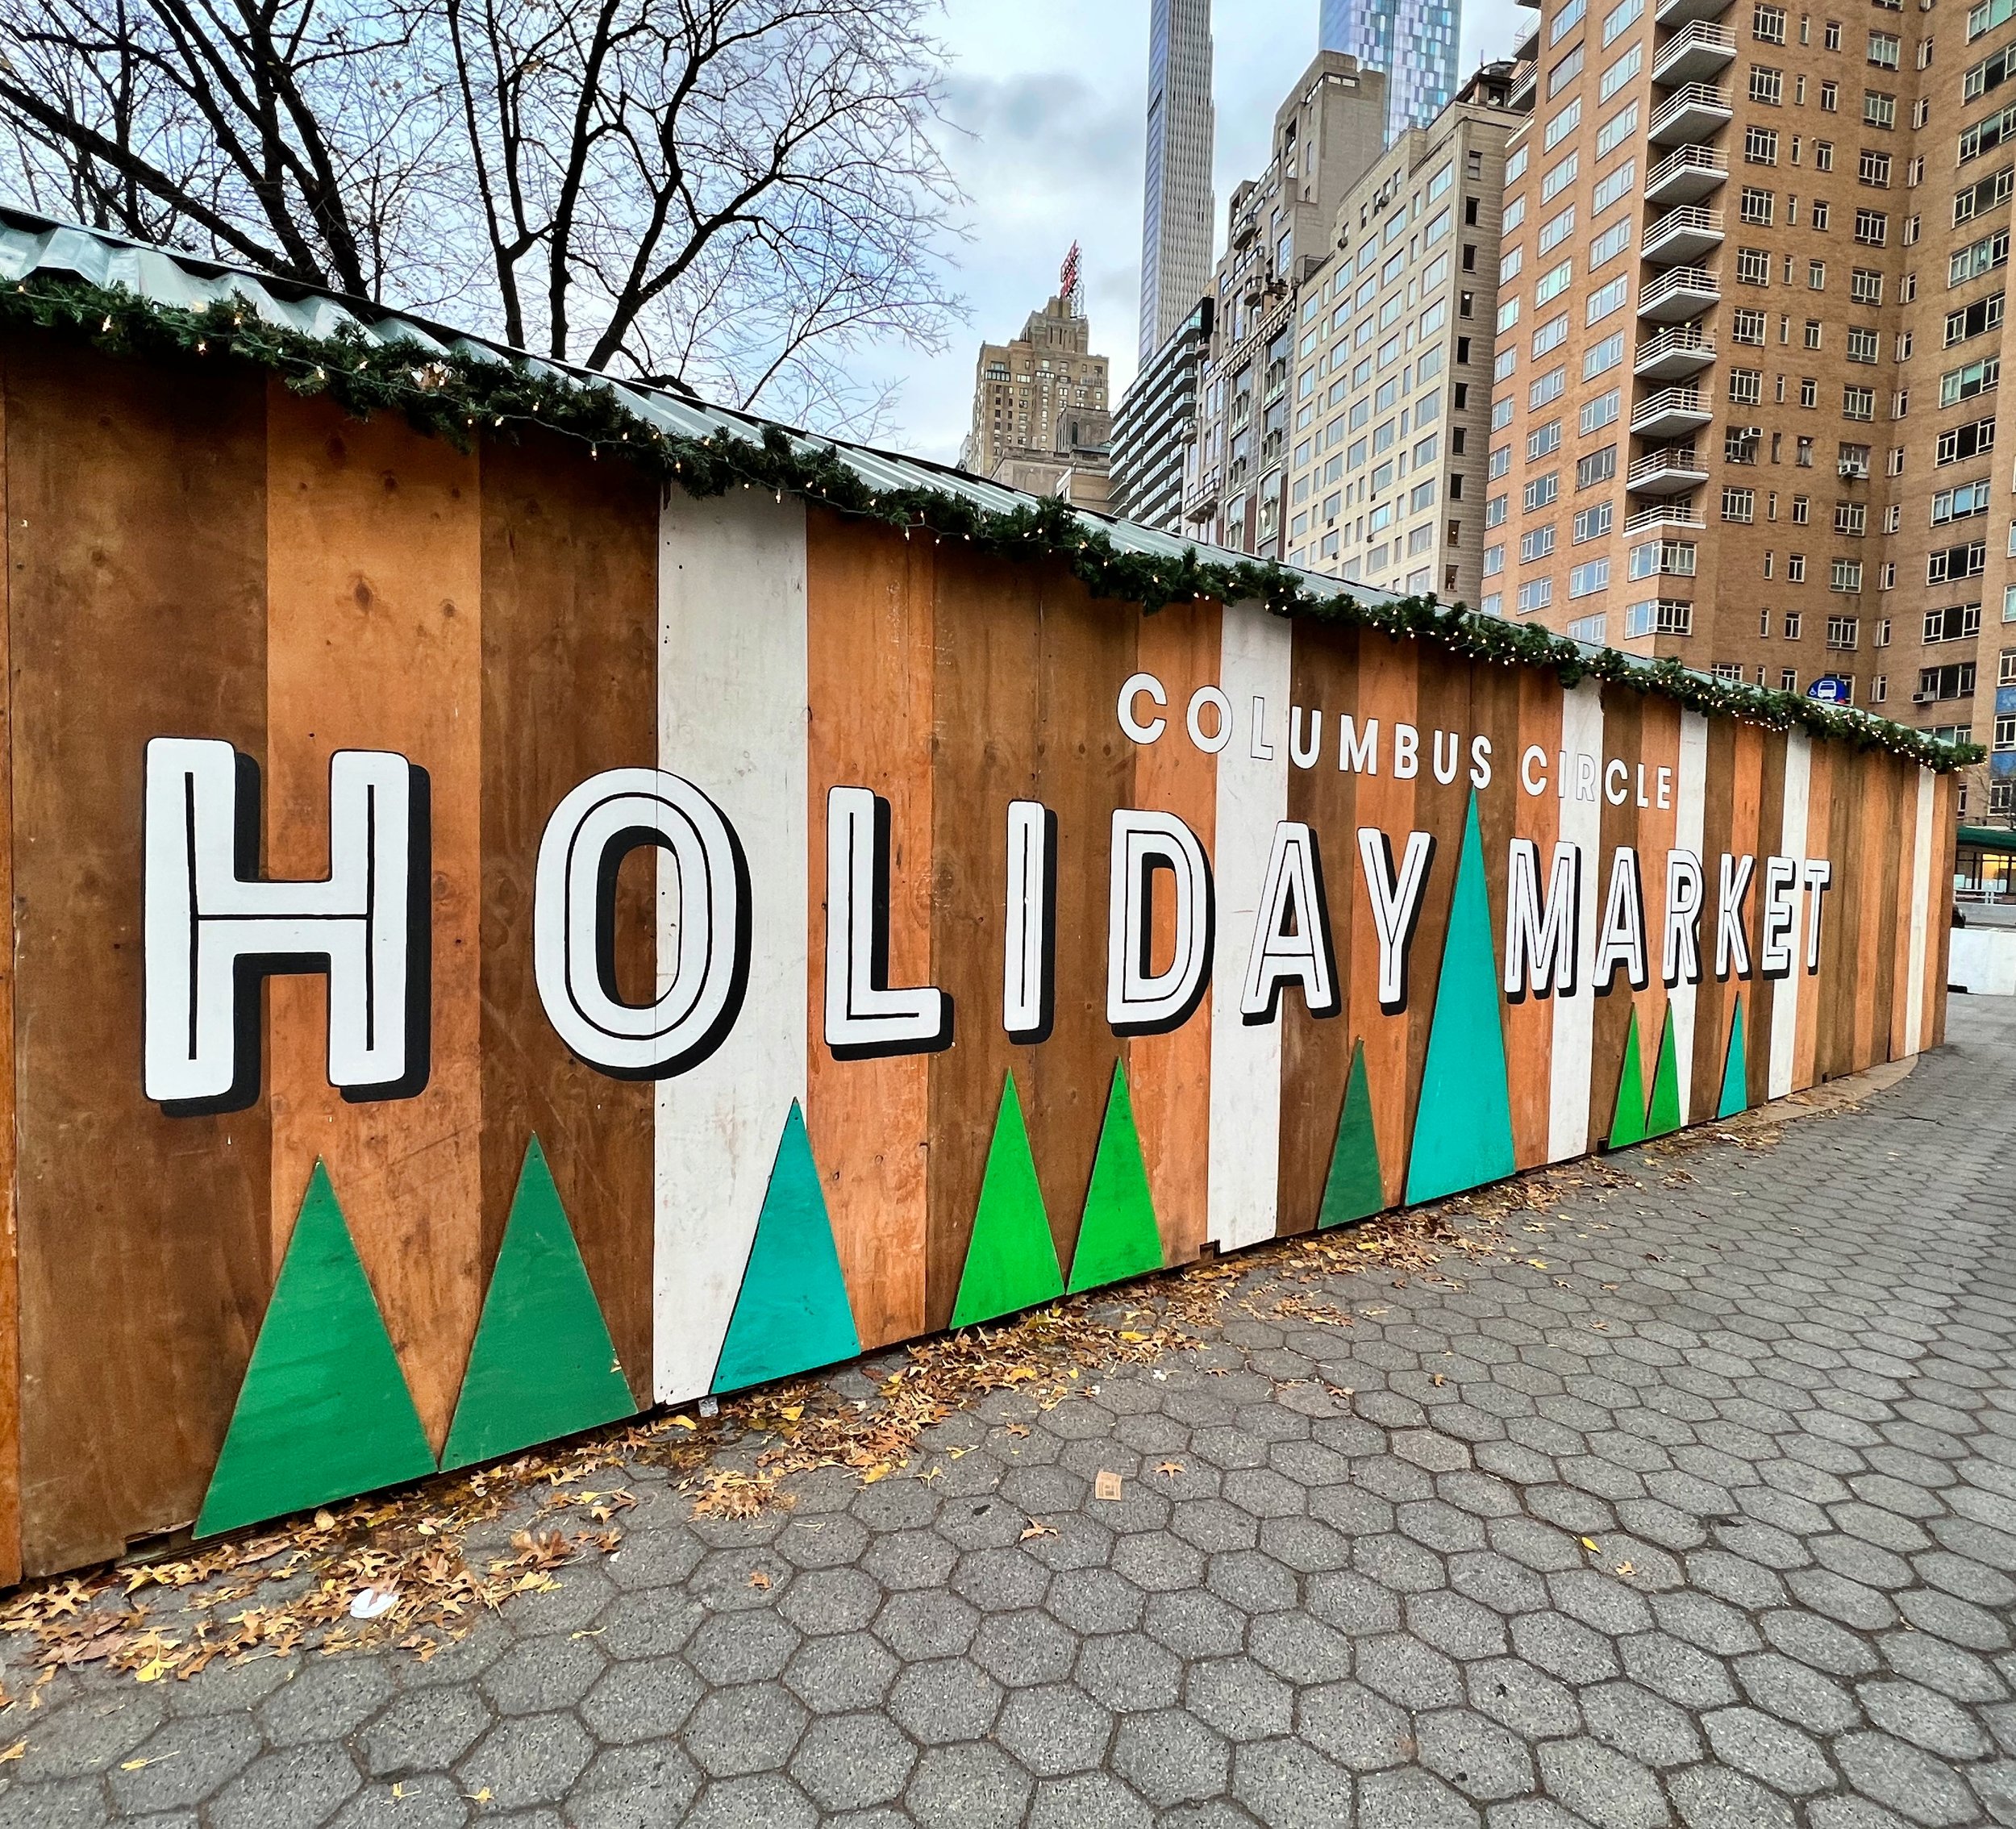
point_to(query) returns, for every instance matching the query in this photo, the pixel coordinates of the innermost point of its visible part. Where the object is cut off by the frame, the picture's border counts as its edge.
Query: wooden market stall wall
(193, 550)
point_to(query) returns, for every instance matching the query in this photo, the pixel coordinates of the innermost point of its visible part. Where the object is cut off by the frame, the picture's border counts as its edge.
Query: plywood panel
(987, 719)
(374, 605)
(1170, 1075)
(1579, 806)
(1387, 691)
(1620, 822)
(1529, 1024)
(1817, 841)
(1252, 799)
(1689, 823)
(569, 623)
(136, 508)
(868, 648)
(730, 675)
(1316, 1051)
(1927, 848)
(1760, 995)
(1794, 811)
(1084, 771)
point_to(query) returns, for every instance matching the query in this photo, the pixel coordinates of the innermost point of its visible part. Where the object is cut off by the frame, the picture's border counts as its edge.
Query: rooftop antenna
(1068, 285)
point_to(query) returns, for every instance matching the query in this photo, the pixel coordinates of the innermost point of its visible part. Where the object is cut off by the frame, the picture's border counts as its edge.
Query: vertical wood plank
(1170, 1075)
(1620, 822)
(1252, 799)
(730, 675)
(1689, 823)
(1529, 1023)
(1316, 1051)
(1578, 800)
(1794, 809)
(986, 717)
(570, 626)
(1084, 772)
(869, 666)
(374, 621)
(1924, 847)
(136, 517)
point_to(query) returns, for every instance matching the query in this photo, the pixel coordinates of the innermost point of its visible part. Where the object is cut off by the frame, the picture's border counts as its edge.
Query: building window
(1753, 266)
(1843, 633)
(1749, 326)
(1598, 466)
(1885, 49)
(1767, 86)
(1858, 403)
(1937, 683)
(1862, 345)
(1872, 227)
(1768, 25)
(1761, 145)
(1536, 594)
(1874, 169)
(1844, 575)
(1738, 505)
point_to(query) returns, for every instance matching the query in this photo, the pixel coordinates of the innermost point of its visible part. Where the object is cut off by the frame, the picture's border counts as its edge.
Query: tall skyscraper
(1177, 205)
(1413, 41)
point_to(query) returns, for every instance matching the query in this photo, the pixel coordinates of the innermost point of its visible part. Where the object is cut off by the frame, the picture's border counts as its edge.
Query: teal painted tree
(324, 1412)
(1463, 1131)
(1627, 1116)
(1118, 1237)
(1012, 1260)
(792, 1313)
(1664, 1118)
(544, 1365)
(1354, 1188)
(1735, 1070)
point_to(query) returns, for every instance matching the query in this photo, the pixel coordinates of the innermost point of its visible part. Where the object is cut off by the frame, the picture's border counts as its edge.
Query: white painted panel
(1245, 1059)
(1921, 916)
(731, 719)
(1575, 1017)
(1690, 814)
(1792, 843)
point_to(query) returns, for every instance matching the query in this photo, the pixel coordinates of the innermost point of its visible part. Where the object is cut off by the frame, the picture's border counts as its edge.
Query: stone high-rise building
(1326, 135)
(1392, 390)
(1413, 41)
(1177, 205)
(1041, 422)
(1750, 337)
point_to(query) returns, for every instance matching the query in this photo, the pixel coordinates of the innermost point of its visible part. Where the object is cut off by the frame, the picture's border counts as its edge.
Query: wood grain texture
(987, 635)
(868, 646)
(1615, 1002)
(1169, 1076)
(1252, 799)
(732, 718)
(374, 641)
(1571, 1128)
(570, 626)
(10, 1229)
(1084, 771)
(1316, 1051)
(136, 517)
(1389, 690)
(1689, 825)
(1529, 1024)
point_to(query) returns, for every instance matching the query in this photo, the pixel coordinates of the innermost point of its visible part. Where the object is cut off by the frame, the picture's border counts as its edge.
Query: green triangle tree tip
(543, 1364)
(1118, 1236)
(1011, 1260)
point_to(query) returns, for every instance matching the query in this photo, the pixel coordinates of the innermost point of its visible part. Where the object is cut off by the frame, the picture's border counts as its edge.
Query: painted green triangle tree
(792, 1313)
(1735, 1070)
(1354, 1188)
(1118, 1236)
(1463, 1130)
(324, 1412)
(1663, 1117)
(1627, 1117)
(544, 1365)
(1012, 1260)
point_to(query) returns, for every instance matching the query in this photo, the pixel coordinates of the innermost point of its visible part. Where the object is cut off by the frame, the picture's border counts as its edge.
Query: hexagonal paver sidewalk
(1703, 1514)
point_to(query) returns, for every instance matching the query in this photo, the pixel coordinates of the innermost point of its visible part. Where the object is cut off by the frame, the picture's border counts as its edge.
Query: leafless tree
(740, 193)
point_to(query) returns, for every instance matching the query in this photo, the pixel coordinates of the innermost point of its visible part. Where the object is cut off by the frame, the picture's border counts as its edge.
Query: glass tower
(1413, 41)
(1176, 206)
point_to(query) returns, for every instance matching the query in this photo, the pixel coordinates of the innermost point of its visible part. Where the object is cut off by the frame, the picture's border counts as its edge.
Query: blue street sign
(1830, 688)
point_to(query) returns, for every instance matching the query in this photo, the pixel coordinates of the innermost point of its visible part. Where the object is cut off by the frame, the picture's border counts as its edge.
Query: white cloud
(1048, 98)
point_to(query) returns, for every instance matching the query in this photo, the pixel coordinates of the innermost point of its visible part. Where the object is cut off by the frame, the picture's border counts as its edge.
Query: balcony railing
(1674, 353)
(1671, 410)
(1673, 471)
(1693, 113)
(1686, 175)
(1678, 294)
(1696, 51)
(1668, 517)
(1684, 234)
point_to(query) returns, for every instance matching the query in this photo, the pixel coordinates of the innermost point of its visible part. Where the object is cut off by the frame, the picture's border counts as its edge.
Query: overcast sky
(1050, 97)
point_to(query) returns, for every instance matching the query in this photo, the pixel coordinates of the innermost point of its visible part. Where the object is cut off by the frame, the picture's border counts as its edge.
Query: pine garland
(455, 396)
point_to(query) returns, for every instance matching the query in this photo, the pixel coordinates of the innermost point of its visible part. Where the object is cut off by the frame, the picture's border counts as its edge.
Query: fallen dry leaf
(1038, 1530)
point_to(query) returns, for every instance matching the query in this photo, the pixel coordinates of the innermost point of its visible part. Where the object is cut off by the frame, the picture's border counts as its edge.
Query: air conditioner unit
(1859, 471)
(1924, 698)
